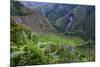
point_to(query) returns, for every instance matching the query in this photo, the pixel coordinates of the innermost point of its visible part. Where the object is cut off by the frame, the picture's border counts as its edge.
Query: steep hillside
(31, 19)
(81, 18)
(18, 9)
(67, 18)
(52, 11)
(35, 22)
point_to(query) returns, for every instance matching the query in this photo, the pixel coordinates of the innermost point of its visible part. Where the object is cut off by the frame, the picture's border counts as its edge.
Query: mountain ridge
(32, 20)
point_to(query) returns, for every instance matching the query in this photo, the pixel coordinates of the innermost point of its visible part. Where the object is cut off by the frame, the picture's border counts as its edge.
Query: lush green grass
(60, 39)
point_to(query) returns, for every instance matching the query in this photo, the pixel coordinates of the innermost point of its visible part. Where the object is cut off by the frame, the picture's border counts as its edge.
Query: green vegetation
(28, 48)
(18, 9)
(73, 41)
(82, 25)
(60, 39)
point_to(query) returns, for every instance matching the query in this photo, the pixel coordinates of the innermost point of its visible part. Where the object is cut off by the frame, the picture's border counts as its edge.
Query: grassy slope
(60, 40)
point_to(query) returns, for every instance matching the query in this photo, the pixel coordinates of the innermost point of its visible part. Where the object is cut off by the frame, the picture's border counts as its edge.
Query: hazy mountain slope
(35, 22)
(80, 18)
(67, 18)
(18, 9)
(31, 19)
(52, 11)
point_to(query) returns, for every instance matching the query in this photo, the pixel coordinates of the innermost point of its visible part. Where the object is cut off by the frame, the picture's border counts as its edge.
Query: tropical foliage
(28, 48)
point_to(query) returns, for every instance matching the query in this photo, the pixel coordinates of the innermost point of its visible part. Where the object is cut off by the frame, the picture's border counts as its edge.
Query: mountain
(73, 19)
(18, 9)
(52, 11)
(81, 18)
(78, 19)
(31, 19)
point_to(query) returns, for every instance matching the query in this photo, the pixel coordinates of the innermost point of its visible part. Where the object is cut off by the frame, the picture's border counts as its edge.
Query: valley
(48, 33)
